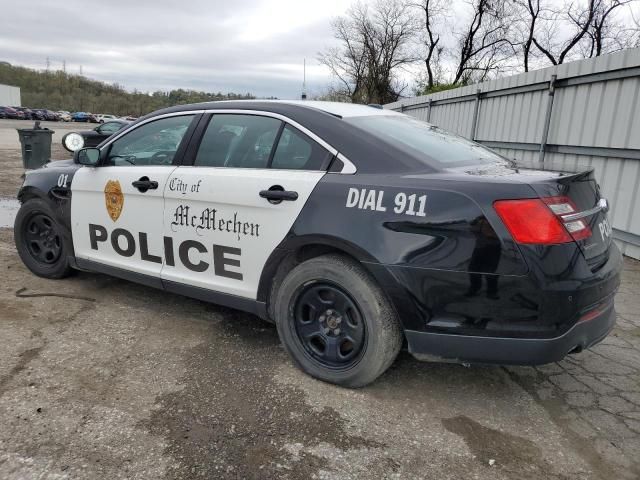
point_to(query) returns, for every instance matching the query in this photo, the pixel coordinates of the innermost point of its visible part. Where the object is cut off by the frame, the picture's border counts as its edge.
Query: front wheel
(335, 321)
(40, 241)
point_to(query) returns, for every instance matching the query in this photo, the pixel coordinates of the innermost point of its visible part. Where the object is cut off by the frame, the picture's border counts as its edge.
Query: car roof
(338, 109)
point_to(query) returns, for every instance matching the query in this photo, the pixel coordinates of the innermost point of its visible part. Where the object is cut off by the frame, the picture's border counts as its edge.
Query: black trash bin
(36, 146)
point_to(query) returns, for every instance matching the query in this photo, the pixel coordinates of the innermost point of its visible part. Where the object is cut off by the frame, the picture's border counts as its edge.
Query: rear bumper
(510, 351)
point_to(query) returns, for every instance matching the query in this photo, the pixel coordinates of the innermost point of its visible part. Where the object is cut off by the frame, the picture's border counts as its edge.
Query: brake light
(539, 221)
(578, 229)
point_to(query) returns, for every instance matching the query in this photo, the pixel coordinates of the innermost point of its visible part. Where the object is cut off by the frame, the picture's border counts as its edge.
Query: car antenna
(304, 80)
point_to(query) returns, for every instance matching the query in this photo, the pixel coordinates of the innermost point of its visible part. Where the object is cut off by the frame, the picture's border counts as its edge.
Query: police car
(356, 230)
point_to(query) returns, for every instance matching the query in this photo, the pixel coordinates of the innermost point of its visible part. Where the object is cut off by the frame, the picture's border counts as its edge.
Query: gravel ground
(102, 378)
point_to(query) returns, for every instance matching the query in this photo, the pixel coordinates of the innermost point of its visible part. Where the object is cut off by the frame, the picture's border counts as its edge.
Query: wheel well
(294, 258)
(27, 194)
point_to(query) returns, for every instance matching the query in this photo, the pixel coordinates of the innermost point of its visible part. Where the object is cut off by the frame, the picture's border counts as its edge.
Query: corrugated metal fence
(568, 117)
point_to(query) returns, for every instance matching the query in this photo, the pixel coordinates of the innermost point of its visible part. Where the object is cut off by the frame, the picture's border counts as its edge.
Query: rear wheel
(335, 321)
(40, 241)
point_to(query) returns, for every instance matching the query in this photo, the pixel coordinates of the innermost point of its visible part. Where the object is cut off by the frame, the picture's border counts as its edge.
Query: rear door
(117, 208)
(225, 214)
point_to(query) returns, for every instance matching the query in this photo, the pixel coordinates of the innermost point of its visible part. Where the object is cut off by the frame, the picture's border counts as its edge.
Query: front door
(226, 214)
(117, 208)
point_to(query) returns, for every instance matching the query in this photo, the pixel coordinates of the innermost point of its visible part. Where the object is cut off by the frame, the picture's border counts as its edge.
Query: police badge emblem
(113, 199)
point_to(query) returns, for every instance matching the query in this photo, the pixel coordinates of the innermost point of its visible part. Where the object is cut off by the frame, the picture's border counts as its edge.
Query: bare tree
(374, 46)
(432, 11)
(533, 9)
(484, 45)
(635, 37)
(607, 34)
(575, 13)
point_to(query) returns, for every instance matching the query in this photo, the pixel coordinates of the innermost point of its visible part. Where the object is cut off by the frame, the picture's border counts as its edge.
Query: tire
(40, 241)
(351, 342)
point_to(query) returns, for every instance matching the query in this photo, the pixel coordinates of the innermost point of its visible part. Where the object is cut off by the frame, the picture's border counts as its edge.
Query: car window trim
(274, 146)
(191, 150)
(348, 169)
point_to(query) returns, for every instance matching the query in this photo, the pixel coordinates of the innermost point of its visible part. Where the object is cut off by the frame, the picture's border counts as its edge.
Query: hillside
(62, 91)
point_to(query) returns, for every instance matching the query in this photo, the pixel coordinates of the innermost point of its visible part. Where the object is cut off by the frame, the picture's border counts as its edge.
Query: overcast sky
(255, 46)
(240, 46)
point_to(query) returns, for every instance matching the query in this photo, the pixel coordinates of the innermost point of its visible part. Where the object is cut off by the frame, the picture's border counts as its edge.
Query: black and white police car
(354, 229)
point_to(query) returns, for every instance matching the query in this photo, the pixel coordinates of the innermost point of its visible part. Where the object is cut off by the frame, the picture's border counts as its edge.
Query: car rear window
(426, 142)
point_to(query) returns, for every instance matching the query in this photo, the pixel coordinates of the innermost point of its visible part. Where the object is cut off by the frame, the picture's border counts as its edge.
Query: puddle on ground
(8, 209)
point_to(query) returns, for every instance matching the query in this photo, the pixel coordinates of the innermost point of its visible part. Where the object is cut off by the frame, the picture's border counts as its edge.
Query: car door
(117, 207)
(225, 214)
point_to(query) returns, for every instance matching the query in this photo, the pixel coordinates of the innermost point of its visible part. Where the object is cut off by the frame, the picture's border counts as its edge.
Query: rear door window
(238, 141)
(296, 151)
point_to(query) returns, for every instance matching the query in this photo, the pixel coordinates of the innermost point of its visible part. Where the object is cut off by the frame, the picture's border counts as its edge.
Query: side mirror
(87, 156)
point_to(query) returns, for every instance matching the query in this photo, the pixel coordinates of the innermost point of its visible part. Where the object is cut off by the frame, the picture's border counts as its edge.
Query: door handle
(277, 194)
(144, 184)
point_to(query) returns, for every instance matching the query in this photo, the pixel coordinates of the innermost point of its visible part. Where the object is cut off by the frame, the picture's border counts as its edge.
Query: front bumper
(511, 351)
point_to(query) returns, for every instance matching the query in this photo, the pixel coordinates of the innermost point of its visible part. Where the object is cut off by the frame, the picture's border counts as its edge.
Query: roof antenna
(304, 80)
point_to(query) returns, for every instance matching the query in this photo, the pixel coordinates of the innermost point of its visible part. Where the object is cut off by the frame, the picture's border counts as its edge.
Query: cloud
(252, 46)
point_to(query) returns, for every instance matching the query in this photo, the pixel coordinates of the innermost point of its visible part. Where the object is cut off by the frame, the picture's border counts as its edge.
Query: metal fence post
(429, 110)
(547, 121)
(476, 111)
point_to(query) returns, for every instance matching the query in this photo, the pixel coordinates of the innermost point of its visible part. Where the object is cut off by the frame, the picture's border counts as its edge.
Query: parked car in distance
(52, 116)
(28, 114)
(73, 141)
(64, 115)
(80, 117)
(129, 118)
(104, 117)
(12, 113)
(38, 114)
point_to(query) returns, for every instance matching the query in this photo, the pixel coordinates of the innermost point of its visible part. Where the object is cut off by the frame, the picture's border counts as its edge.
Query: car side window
(237, 141)
(110, 128)
(154, 143)
(296, 151)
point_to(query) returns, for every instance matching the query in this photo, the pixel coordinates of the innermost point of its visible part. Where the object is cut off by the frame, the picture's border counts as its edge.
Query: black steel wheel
(335, 321)
(41, 241)
(329, 325)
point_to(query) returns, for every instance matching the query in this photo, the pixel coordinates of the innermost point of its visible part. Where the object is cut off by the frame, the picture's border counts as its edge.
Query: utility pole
(80, 70)
(304, 80)
(48, 64)
(64, 66)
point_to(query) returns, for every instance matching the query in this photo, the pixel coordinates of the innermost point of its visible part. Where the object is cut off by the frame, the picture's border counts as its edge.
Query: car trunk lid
(573, 197)
(589, 207)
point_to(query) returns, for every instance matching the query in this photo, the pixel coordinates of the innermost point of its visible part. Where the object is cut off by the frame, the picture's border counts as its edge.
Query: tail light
(539, 221)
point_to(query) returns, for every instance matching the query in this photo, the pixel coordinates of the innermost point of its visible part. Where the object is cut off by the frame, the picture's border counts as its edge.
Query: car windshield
(432, 145)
